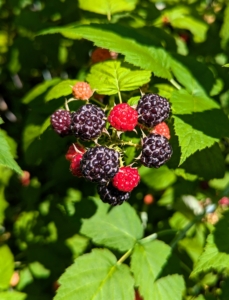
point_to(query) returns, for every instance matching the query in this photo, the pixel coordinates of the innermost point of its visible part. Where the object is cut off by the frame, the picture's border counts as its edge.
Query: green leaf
(1, 121)
(6, 266)
(77, 244)
(157, 179)
(110, 77)
(224, 32)
(147, 261)
(38, 270)
(164, 90)
(220, 184)
(96, 276)
(39, 90)
(123, 228)
(107, 7)
(226, 66)
(6, 158)
(193, 119)
(63, 88)
(12, 295)
(207, 163)
(221, 233)
(117, 38)
(211, 259)
(133, 100)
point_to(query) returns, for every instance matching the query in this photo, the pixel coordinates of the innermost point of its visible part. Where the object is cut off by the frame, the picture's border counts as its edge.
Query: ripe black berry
(88, 122)
(152, 109)
(100, 164)
(110, 194)
(156, 151)
(61, 122)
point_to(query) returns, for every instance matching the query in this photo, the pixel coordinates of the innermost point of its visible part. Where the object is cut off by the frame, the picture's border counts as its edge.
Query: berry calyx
(88, 122)
(156, 151)
(75, 165)
(100, 164)
(82, 91)
(123, 117)
(110, 194)
(126, 179)
(74, 150)
(61, 122)
(162, 129)
(152, 109)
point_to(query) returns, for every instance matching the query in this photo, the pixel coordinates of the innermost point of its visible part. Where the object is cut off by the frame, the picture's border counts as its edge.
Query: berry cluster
(102, 163)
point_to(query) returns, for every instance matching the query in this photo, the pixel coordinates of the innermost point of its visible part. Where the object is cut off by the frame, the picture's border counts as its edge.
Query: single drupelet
(61, 122)
(100, 164)
(88, 122)
(152, 109)
(110, 194)
(156, 151)
(123, 117)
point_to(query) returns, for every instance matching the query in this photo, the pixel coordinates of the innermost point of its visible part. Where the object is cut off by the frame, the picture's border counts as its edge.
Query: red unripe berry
(123, 117)
(73, 150)
(25, 178)
(14, 279)
(100, 54)
(126, 179)
(224, 201)
(148, 199)
(75, 165)
(82, 90)
(162, 129)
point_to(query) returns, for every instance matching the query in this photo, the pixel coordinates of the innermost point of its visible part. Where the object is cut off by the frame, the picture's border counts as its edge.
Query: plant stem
(124, 257)
(98, 102)
(174, 83)
(119, 96)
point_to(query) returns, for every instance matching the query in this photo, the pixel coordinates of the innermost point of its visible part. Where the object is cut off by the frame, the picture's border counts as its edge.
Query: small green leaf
(147, 261)
(63, 88)
(12, 295)
(107, 7)
(6, 158)
(211, 259)
(157, 179)
(96, 276)
(6, 266)
(39, 90)
(133, 100)
(123, 228)
(38, 270)
(110, 77)
(1, 121)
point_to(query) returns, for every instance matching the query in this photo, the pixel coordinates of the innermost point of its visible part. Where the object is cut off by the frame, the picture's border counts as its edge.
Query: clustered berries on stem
(102, 163)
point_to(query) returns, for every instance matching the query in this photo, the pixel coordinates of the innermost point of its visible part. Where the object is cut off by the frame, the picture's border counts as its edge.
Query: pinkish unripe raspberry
(75, 165)
(224, 201)
(162, 129)
(82, 91)
(74, 150)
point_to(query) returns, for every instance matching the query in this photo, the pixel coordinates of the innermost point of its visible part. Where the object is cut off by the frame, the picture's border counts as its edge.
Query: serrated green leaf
(147, 261)
(109, 37)
(211, 259)
(207, 163)
(157, 179)
(107, 7)
(193, 119)
(77, 244)
(39, 89)
(110, 77)
(63, 88)
(6, 266)
(224, 32)
(96, 276)
(6, 158)
(123, 228)
(12, 295)
(164, 90)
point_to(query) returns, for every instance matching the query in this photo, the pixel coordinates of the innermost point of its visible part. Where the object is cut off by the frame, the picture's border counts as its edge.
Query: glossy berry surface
(100, 164)
(152, 109)
(73, 150)
(156, 151)
(126, 179)
(162, 129)
(61, 122)
(110, 194)
(82, 90)
(123, 117)
(88, 122)
(75, 165)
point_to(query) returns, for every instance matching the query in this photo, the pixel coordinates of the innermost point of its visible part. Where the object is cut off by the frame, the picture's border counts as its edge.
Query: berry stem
(66, 105)
(120, 97)
(174, 83)
(98, 102)
(124, 257)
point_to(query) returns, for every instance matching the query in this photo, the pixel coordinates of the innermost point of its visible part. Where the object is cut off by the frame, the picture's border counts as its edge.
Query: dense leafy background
(54, 229)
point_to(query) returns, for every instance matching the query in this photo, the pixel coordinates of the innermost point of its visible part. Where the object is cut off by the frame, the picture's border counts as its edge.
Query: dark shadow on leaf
(221, 233)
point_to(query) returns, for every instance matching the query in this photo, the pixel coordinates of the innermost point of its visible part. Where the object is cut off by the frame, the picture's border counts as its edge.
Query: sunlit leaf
(6, 266)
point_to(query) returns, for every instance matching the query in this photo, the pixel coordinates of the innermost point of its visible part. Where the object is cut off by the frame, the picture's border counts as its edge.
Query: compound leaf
(112, 281)
(118, 229)
(110, 77)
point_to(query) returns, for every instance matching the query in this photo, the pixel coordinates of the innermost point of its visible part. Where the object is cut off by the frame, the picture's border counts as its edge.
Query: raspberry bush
(114, 150)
